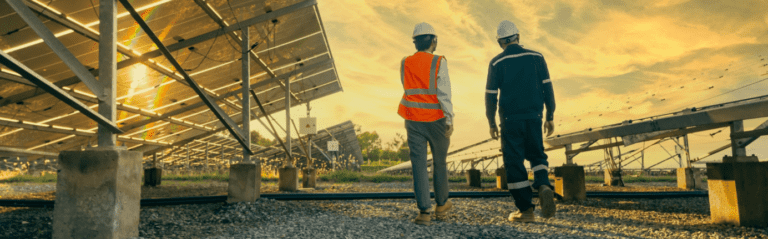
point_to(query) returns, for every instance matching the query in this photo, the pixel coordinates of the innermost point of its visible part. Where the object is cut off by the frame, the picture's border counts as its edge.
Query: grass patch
(374, 168)
(48, 178)
(345, 176)
(207, 177)
(342, 176)
(197, 177)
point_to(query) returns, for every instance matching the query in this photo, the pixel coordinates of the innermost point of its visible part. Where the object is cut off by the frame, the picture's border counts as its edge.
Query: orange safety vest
(418, 73)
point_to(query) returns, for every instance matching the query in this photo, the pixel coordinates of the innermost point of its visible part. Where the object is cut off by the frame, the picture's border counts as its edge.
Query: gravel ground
(470, 218)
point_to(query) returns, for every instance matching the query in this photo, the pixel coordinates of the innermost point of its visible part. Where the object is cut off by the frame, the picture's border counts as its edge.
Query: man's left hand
(448, 130)
(549, 127)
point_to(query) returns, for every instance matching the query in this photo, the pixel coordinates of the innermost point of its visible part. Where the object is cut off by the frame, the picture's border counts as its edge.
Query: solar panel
(156, 109)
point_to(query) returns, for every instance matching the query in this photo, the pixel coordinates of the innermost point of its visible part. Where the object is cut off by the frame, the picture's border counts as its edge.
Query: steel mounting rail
(57, 92)
(220, 114)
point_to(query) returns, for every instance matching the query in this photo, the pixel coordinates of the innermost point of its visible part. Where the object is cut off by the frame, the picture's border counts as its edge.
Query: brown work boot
(423, 219)
(440, 211)
(522, 216)
(547, 201)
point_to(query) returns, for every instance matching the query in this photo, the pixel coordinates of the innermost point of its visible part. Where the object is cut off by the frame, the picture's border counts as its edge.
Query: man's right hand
(495, 133)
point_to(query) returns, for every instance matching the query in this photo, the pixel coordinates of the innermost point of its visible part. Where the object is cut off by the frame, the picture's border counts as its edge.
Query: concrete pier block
(613, 178)
(501, 178)
(288, 179)
(244, 183)
(689, 178)
(473, 178)
(737, 193)
(309, 178)
(570, 183)
(153, 177)
(97, 194)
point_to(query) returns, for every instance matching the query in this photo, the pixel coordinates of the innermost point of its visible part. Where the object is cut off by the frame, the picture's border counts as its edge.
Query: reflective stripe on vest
(420, 104)
(410, 104)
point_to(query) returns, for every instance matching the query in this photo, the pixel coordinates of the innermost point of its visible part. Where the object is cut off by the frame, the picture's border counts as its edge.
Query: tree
(369, 141)
(373, 154)
(404, 154)
(257, 139)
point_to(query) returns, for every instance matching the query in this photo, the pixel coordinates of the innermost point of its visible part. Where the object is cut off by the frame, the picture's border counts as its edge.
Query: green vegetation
(374, 150)
(215, 176)
(47, 178)
(375, 166)
(197, 177)
(346, 176)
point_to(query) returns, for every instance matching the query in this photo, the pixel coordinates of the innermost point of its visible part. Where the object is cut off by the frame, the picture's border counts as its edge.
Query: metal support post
(246, 99)
(618, 155)
(221, 153)
(568, 158)
(642, 160)
(679, 155)
(188, 159)
(288, 120)
(206, 156)
(736, 150)
(687, 150)
(154, 160)
(309, 143)
(107, 69)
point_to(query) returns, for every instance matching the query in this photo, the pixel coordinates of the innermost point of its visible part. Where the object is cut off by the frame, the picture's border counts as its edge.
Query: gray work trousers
(419, 134)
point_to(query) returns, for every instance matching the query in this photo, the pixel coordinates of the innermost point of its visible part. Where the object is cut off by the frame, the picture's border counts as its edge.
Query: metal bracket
(66, 56)
(57, 92)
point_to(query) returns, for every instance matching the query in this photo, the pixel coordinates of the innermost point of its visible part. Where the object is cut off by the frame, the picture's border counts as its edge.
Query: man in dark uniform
(521, 77)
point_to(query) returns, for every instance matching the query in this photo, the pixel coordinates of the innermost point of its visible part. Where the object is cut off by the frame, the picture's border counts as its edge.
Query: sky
(609, 61)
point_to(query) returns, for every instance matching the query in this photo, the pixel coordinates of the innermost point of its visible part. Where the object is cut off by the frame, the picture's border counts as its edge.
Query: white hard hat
(423, 29)
(506, 29)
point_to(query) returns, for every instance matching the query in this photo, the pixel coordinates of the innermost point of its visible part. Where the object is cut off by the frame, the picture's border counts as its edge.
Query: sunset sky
(604, 57)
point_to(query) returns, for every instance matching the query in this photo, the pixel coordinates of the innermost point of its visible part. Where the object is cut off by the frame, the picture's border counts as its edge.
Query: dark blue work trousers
(419, 134)
(521, 140)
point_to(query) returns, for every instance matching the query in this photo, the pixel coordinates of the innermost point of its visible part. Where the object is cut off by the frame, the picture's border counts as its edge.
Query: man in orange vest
(428, 112)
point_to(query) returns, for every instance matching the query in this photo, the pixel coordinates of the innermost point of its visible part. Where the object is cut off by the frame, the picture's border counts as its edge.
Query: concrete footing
(153, 177)
(570, 183)
(244, 183)
(308, 178)
(288, 179)
(689, 178)
(501, 178)
(613, 177)
(98, 194)
(473, 178)
(737, 193)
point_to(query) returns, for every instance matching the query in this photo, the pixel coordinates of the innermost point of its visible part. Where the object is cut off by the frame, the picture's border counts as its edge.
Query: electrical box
(333, 145)
(308, 125)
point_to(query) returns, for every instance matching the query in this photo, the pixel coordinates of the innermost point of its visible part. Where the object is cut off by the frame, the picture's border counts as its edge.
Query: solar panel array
(157, 110)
